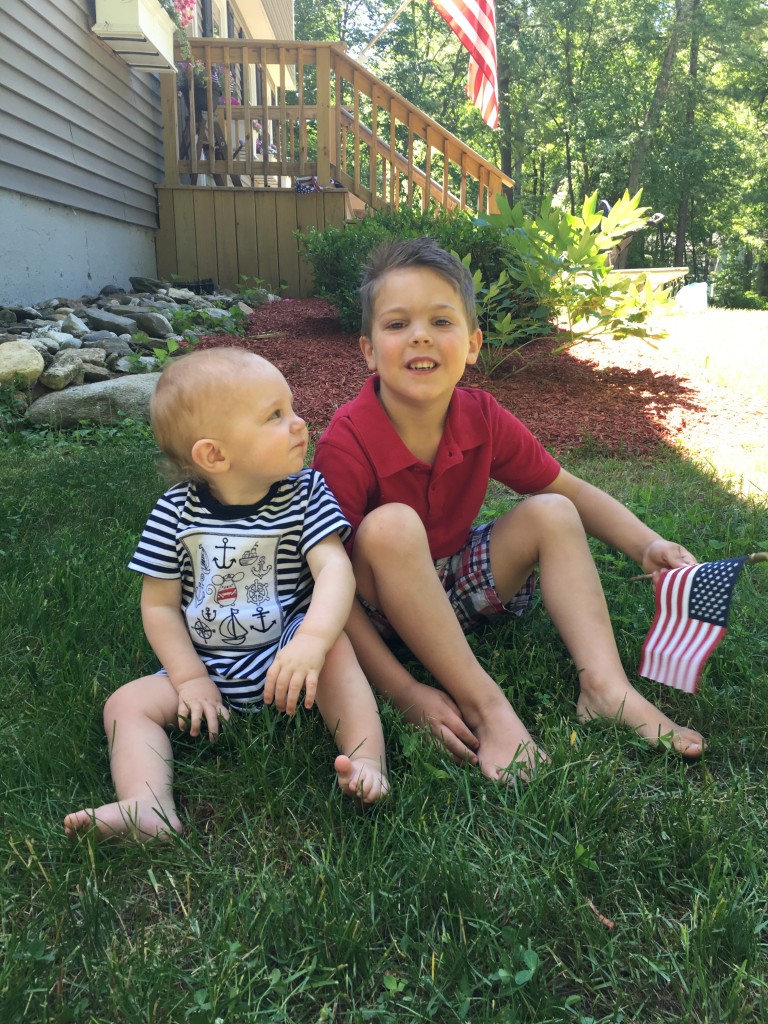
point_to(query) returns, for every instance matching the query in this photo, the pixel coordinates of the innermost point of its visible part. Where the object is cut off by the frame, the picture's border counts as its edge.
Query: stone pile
(80, 359)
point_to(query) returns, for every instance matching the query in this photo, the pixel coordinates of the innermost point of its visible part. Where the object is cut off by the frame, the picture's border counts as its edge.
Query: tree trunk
(569, 170)
(690, 116)
(653, 114)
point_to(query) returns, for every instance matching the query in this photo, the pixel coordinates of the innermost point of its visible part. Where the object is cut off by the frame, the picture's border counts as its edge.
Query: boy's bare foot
(361, 777)
(140, 820)
(504, 741)
(626, 705)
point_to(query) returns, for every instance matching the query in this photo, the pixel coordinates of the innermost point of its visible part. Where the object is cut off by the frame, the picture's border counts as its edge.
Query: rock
(7, 317)
(62, 339)
(146, 284)
(135, 364)
(72, 324)
(116, 347)
(65, 369)
(181, 294)
(95, 339)
(93, 356)
(20, 359)
(93, 372)
(153, 324)
(24, 312)
(102, 320)
(46, 349)
(103, 403)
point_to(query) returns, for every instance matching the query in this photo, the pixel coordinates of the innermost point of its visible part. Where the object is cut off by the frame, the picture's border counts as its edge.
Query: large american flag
(474, 22)
(692, 606)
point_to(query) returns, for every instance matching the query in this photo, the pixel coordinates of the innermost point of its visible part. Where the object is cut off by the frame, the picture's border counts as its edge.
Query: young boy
(228, 601)
(409, 461)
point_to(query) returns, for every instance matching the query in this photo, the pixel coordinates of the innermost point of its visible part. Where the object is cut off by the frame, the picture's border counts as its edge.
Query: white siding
(77, 127)
(280, 14)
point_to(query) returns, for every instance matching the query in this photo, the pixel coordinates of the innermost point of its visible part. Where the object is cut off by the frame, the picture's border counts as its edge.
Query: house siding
(77, 126)
(80, 154)
(280, 15)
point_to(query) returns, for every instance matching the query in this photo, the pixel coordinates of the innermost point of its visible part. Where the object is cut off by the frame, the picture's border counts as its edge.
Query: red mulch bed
(565, 399)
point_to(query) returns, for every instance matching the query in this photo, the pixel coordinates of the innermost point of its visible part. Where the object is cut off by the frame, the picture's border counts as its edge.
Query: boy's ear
(209, 456)
(366, 347)
(475, 341)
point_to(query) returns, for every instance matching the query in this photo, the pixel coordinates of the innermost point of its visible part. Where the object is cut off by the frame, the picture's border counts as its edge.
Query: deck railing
(271, 112)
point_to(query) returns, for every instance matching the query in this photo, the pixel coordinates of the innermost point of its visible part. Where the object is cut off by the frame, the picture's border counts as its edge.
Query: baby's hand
(664, 554)
(199, 699)
(296, 667)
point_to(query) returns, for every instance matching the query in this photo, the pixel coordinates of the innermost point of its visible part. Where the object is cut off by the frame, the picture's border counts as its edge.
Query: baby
(247, 588)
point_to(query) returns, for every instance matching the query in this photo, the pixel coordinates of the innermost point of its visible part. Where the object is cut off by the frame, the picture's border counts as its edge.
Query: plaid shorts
(468, 581)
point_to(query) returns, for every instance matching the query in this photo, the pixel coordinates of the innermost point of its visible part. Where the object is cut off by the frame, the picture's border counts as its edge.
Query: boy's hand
(664, 554)
(297, 666)
(433, 709)
(199, 699)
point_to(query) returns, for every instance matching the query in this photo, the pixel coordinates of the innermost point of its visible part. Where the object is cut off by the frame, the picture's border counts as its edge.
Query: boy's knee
(394, 525)
(555, 508)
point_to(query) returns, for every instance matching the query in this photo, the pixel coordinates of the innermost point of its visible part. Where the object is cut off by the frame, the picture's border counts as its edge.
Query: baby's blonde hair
(187, 401)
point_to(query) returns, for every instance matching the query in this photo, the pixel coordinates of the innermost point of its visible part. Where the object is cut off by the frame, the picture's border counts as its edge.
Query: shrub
(733, 281)
(562, 260)
(338, 255)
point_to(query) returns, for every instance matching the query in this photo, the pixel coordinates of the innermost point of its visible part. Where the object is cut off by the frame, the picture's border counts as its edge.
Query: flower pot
(139, 30)
(201, 94)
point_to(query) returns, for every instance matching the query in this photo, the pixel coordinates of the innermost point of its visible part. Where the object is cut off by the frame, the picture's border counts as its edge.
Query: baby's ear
(208, 456)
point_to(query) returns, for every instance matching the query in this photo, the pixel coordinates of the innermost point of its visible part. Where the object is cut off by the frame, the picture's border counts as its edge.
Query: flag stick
(381, 32)
(756, 556)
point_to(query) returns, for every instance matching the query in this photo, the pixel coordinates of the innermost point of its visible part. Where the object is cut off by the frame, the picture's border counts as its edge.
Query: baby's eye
(277, 414)
(395, 325)
(443, 321)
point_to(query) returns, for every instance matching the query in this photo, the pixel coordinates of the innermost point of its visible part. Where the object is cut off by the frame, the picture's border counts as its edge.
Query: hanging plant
(182, 13)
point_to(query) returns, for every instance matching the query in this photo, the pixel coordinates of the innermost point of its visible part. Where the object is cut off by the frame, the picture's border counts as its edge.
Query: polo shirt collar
(464, 430)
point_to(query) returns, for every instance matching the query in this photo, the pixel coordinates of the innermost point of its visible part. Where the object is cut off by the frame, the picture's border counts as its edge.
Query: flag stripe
(474, 22)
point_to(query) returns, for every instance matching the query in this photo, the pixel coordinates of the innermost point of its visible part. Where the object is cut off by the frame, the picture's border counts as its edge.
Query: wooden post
(323, 115)
(170, 114)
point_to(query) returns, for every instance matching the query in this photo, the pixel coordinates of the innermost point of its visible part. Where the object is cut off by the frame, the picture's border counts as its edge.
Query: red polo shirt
(366, 464)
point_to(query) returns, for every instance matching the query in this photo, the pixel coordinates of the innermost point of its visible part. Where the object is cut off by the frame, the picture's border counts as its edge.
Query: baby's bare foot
(361, 777)
(505, 745)
(140, 820)
(624, 704)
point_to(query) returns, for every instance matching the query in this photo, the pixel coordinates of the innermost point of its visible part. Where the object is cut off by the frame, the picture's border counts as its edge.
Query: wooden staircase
(270, 113)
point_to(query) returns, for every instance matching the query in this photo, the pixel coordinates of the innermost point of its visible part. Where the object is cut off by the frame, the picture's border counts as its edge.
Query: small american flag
(474, 22)
(692, 606)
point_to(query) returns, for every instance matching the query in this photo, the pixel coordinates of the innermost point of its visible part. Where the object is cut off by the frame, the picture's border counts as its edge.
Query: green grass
(455, 900)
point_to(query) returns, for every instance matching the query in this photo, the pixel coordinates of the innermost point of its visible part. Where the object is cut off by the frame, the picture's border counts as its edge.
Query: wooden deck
(279, 111)
(229, 234)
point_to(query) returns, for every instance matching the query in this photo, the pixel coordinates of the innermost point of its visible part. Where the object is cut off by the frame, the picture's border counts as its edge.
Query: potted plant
(197, 71)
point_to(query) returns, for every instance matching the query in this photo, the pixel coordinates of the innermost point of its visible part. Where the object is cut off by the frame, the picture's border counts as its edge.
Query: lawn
(620, 885)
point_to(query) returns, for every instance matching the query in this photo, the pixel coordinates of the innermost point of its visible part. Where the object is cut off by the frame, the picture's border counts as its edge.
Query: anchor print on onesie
(235, 605)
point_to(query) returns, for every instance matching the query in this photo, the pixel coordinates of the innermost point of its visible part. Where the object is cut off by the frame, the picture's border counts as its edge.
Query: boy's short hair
(187, 401)
(399, 254)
